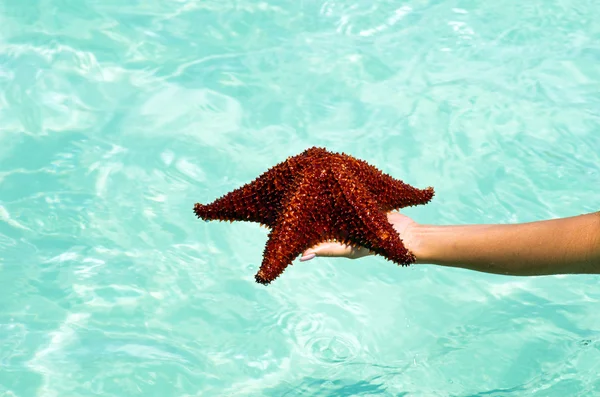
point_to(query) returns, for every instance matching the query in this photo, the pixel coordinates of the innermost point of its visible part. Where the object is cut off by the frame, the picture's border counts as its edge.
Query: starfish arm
(401, 195)
(260, 200)
(366, 225)
(248, 203)
(304, 222)
(391, 193)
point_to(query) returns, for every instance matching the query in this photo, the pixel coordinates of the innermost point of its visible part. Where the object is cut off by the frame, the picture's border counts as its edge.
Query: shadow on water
(328, 387)
(333, 385)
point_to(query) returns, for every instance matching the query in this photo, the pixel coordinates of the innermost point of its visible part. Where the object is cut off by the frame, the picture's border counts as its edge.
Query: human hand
(401, 223)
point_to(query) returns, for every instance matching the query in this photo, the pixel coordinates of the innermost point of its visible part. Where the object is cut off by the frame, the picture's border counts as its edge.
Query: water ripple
(332, 350)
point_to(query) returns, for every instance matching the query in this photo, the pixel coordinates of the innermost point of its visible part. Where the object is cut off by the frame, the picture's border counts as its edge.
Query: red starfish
(319, 196)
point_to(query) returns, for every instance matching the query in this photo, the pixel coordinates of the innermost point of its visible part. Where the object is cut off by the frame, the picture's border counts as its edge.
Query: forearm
(558, 246)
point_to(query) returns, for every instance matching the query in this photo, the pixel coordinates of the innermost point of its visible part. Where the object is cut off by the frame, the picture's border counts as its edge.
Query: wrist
(440, 245)
(416, 239)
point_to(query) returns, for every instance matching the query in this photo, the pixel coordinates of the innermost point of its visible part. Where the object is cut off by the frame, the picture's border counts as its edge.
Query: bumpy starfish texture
(319, 196)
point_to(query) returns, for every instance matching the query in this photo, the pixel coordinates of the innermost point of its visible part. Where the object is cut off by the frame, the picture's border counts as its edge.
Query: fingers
(307, 256)
(328, 249)
(331, 249)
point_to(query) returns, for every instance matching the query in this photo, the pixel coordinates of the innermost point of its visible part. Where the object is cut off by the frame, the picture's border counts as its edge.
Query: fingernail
(307, 257)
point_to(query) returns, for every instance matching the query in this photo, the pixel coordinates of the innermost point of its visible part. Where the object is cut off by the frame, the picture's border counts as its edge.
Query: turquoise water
(117, 116)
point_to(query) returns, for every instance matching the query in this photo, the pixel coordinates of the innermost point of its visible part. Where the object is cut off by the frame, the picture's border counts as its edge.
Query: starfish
(318, 196)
